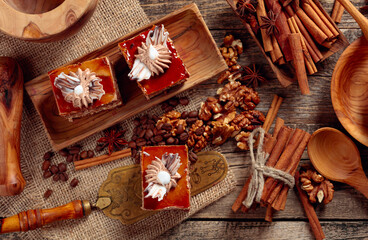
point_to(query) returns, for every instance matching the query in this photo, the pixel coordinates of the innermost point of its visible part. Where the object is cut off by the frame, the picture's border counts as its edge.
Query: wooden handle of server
(32, 219)
(359, 18)
(11, 104)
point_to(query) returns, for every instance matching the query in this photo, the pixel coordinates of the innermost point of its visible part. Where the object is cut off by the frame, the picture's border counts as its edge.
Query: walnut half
(316, 186)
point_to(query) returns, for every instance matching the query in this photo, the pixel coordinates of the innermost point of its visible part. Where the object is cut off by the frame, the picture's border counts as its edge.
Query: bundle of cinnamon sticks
(300, 31)
(285, 147)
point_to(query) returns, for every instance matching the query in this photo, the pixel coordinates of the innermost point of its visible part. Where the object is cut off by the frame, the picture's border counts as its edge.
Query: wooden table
(346, 217)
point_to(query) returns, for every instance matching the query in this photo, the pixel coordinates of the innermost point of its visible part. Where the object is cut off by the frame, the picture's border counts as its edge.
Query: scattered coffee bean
(193, 114)
(46, 165)
(62, 167)
(158, 138)
(141, 142)
(184, 137)
(54, 169)
(56, 177)
(47, 174)
(76, 157)
(142, 133)
(136, 122)
(176, 141)
(90, 154)
(149, 134)
(184, 115)
(193, 157)
(47, 156)
(191, 121)
(143, 119)
(64, 152)
(161, 132)
(134, 152)
(47, 194)
(64, 177)
(159, 125)
(132, 144)
(69, 159)
(173, 102)
(74, 183)
(74, 150)
(184, 101)
(199, 131)
(100, 147)
(166, 135)
(180, 129)
(166, 126)
(162, 143)
(170, 140)
(84, 155)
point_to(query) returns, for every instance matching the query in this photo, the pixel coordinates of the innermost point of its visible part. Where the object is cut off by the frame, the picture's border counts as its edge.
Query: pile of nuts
(59, 172)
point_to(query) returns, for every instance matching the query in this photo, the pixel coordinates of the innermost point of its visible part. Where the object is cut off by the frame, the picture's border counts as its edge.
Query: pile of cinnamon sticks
(302, 31)
(285, 147)
(337, 12)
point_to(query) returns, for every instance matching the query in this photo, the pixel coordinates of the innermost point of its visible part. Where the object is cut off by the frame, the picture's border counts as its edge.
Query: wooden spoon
(336, 157)
(359, 18)
(11, 103)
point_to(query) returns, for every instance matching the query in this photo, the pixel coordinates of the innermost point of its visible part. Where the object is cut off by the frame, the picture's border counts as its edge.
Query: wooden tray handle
(11, 104)
(32, 219)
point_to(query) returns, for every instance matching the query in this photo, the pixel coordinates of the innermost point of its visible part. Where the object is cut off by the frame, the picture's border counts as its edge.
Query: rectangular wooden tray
(192, 40)
(285, 76)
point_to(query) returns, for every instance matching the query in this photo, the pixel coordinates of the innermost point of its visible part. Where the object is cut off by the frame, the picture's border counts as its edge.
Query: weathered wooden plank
(263, 230)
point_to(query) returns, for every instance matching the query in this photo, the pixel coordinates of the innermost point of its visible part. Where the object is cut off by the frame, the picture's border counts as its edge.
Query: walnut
(225, 117)
(172, 117)
(248, 120)
(233, 94)
(242, 140)
(199, 136)
(221, 132)
(208, 108)
(316, 186)
(229, 54)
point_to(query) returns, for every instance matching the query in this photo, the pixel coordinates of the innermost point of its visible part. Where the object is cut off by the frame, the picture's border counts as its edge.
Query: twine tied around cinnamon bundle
(259, 170)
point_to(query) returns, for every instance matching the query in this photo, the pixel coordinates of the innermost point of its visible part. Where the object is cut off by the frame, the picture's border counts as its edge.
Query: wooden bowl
(44, 20)
(195, 46)
(349, 90)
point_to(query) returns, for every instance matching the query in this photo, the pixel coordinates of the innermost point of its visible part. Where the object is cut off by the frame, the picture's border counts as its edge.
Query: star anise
(245, 7)
(113, 139)
(269, 23)
(252, 76)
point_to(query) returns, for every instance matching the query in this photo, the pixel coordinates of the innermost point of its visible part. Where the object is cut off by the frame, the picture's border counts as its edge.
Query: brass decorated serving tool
(119, 196)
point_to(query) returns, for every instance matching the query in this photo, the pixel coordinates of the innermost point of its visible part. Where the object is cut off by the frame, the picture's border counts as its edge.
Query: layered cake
(165, 177)
(85, 88)
(154, 61)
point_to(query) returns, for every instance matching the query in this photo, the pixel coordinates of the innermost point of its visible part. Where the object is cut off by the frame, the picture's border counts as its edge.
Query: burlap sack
(111, 20)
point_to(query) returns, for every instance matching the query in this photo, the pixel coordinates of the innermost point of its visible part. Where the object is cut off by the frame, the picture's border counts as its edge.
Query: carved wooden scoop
(336, 157)
(11, 103)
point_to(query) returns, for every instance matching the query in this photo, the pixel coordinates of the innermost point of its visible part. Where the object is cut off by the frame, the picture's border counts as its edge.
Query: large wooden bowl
(349, 90)
(44, 20)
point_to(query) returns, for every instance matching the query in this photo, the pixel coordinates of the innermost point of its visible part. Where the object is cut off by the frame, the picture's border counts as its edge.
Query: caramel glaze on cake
(103, 70)
(174, 75)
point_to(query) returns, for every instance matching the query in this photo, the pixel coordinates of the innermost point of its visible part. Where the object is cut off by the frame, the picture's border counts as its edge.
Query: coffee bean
(69, 159)
(100, 147)
(164, 105)
(149, 134)
(84, 155)
(176, 141)
(54, 169)
(184, 101)
(74, 183)
(63, 176)
(151, 126)
(167, 127)
(193, 114)
(166, 135)
(76, 157)
(134, 152)
(154, 131)
(184, 115)
(180, 129)
(143, 119)
(193, 157)
(145, 126)
(173, 102)
(46, 165)
(159, 125)
(191, 121)
(155, 118)
(64, 152)
(47, 194)
(136, 122)
(90, 154)
(56, 177)
(158, 138)
(142, 133)
(141, 142)
(161, 132)
(132, 144)
(74, 150)
(148, 143)
(47, 174)
(62, 167)
(184, 137)
(162, 143)
(47, 156)
(170, 140)
(199, 131)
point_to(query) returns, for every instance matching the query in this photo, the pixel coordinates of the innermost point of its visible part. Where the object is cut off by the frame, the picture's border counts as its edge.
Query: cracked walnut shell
(316, 186)
(208, 108)
(221, 132)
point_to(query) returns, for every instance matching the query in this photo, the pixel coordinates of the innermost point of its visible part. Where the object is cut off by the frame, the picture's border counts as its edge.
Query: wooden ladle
(349, 84)
(336, 157)
(11, 103)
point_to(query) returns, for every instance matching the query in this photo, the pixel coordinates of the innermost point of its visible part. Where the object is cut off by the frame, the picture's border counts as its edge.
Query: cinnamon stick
(272, 112)
(309, 211)
(340, 12)
(312, 47)
(298, 60)
(281, 24)
(282, 139)
(276, 50)
(324, 18)
(278, 125)
(269, 213)
(90, 162)
(261, 11)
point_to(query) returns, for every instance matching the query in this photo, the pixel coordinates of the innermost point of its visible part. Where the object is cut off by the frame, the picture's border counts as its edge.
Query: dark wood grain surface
(346, 217)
